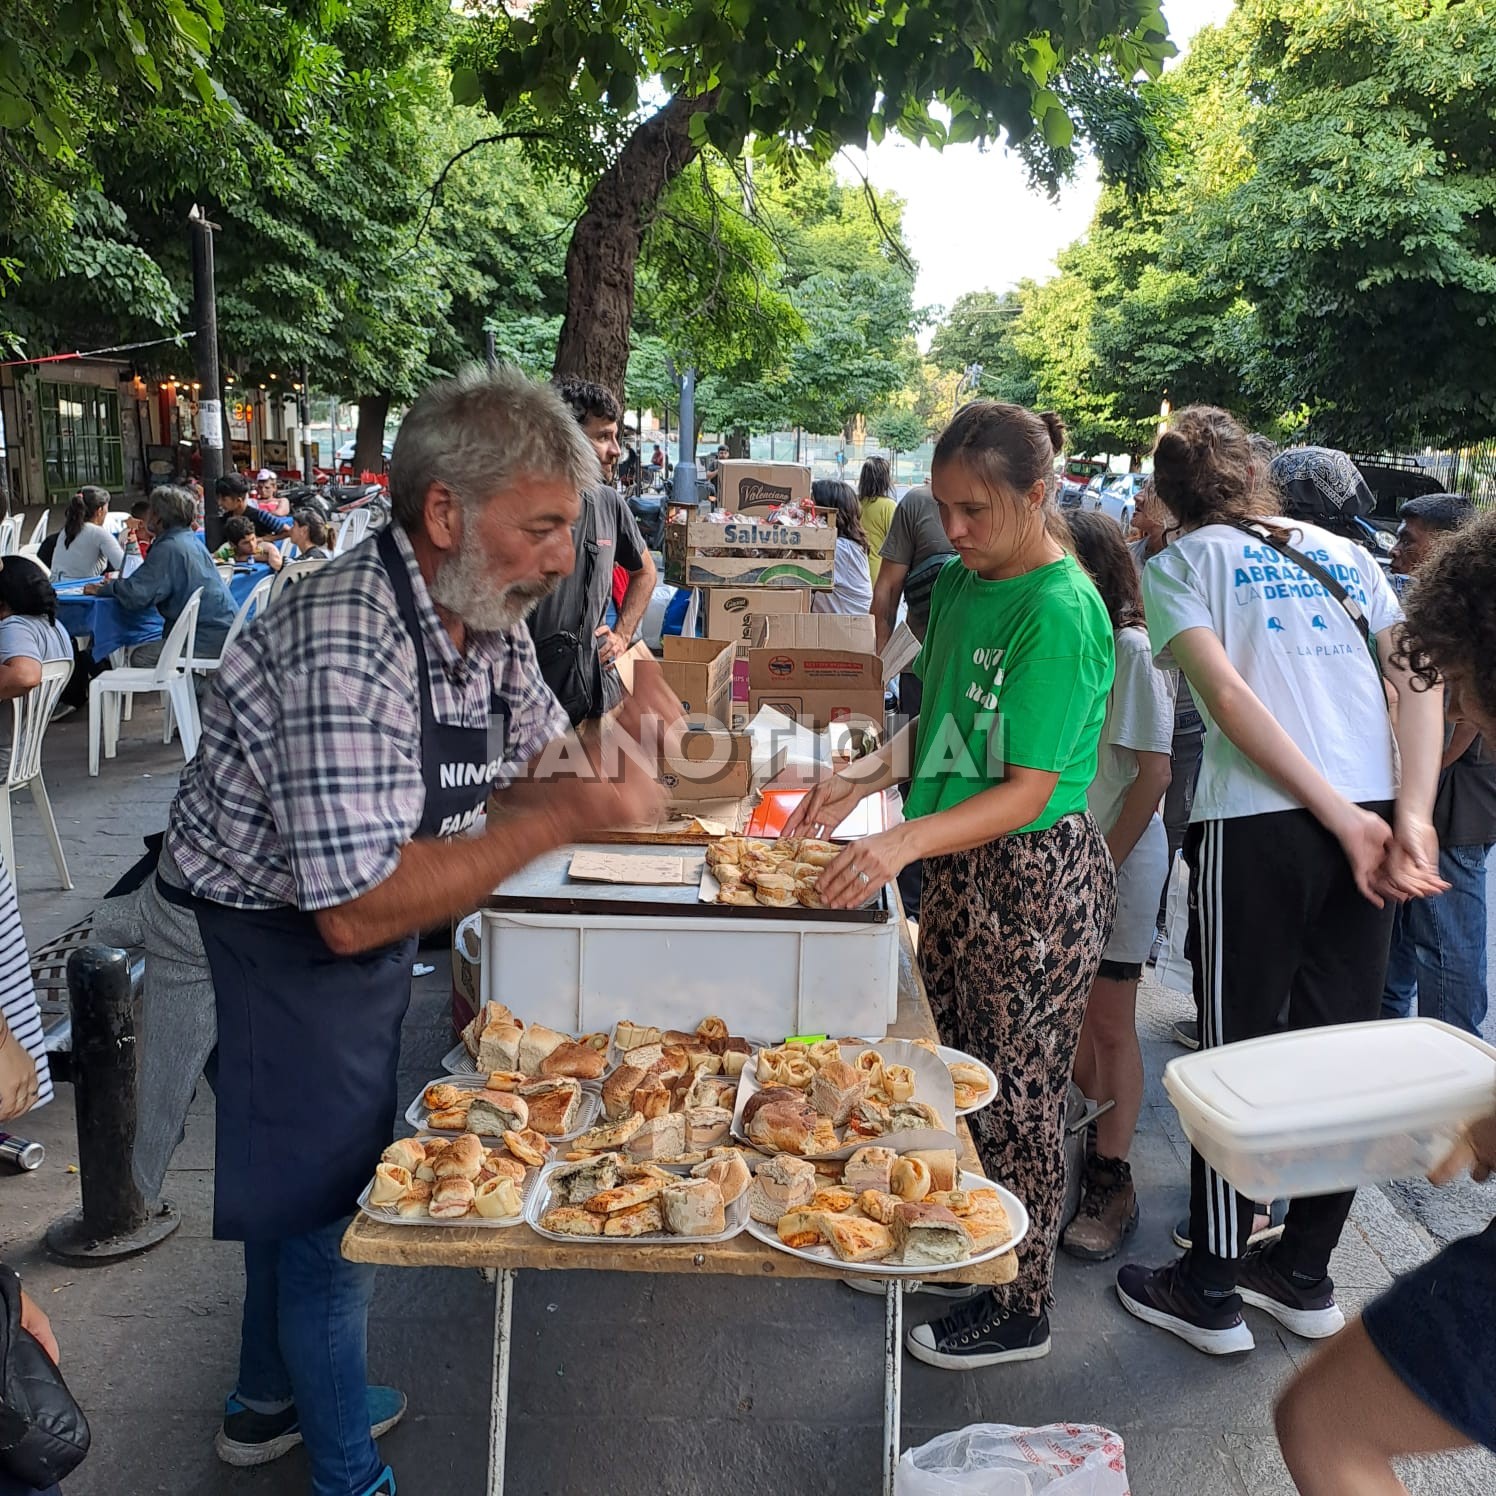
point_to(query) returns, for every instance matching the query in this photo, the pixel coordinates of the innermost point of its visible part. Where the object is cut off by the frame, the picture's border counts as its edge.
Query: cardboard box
(817, 687)
(731, 612)
(699, 671)
(745, 553)
(713, 766)
(764, 485)
(854, 632)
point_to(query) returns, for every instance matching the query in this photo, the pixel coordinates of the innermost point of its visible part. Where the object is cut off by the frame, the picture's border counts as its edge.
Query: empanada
(497, 1198)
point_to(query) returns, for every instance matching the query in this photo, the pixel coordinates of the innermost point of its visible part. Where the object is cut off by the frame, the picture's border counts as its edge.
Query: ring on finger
(862, 877)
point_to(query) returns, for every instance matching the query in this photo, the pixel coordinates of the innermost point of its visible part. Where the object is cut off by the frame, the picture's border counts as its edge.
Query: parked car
(1080, 474)
(345, 452)
(1118, 497)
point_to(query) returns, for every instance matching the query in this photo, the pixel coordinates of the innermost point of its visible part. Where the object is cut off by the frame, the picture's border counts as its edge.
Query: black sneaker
(1187, 1033)
(248, 1438)
(863, 1284)
(979, 1333)
(1165, 1297)
(1308, 1311)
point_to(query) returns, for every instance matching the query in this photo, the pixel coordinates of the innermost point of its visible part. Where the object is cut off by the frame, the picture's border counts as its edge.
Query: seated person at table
(310, 535)
(136, 527)
(29, 636)
(233, 499)
(243, 547)
(267, 485)
(177, 566)
(85, 549)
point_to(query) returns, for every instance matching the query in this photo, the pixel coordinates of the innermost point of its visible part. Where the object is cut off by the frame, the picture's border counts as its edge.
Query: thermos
(19, 1153)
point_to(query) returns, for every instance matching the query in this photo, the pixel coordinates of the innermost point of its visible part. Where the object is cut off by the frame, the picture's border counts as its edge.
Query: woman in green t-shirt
(1019, 888)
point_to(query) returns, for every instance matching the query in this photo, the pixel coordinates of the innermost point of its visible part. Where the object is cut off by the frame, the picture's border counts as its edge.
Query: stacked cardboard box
(817, 668)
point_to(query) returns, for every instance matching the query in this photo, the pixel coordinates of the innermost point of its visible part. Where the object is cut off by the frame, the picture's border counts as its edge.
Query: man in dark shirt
(232, 491)
(1439, 944)
(575, 646)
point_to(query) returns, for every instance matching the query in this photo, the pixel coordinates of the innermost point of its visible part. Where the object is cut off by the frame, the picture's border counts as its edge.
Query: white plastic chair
(10, 535)
(291, 573)
(248, 610)
(32, 716)
(39, 534)
(169, 675)
(33, 553)
(353, 530)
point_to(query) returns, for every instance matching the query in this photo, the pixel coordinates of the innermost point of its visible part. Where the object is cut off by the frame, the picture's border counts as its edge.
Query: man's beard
(462, 586)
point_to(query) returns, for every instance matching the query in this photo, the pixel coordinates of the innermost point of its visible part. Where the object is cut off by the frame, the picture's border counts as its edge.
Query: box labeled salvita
(699, 671)
(731, 612)
(743, 485)
(748, 553)
(817, 687)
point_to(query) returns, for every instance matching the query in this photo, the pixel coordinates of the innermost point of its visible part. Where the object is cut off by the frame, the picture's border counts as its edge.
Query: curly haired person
(1414, 1374)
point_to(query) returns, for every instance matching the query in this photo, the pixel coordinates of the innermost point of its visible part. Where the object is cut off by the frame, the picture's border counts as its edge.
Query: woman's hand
(1411, 870)
(34, 1322)
(18, 1084)
(827, 805)
(864, 867)
(1366, 839)
(1476, 1151)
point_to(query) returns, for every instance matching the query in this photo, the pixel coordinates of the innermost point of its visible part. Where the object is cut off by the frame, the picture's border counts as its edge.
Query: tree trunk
(737, 442)
(368, 442)
(604, 250)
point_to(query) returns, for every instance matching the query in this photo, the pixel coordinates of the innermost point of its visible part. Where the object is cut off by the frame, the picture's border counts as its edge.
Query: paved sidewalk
(632, 1385)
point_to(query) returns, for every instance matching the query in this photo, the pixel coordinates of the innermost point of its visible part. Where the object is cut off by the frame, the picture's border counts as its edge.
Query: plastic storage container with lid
(1326, 1109)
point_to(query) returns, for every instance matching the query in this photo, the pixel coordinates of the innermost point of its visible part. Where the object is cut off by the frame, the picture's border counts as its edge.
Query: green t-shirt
(1031, 657)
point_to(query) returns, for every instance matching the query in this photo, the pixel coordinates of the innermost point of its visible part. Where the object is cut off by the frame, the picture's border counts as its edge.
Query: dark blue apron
(309, 1041)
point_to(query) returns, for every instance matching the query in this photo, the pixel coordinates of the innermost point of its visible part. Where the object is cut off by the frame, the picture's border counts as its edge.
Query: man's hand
(18, 1084)
(1476, 1151)
(651, 713)
(628, 795)
(610, 645)
(35, 1323)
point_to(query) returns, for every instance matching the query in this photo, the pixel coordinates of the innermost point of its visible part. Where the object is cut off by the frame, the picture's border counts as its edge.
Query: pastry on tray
(781, 1184)
(855, 1238)
(928, 1235)
(636, 1220)
(730, 1175)
(693, 1207)
(497, 1198)
(572, 1220)
(869, 1168)
(552, 1105)
(577, 1183)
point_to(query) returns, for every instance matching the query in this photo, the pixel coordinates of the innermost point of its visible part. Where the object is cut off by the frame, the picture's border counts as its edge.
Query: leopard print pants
(1010, 937)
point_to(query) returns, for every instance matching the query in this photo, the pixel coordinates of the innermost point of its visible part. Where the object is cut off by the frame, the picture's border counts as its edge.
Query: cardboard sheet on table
(932, 1084)
(655, 870)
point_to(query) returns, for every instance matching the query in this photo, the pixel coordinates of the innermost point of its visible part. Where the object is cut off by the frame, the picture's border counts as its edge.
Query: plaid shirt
(308, 778)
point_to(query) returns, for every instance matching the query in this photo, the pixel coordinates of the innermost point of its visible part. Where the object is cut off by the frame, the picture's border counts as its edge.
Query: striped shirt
(17, 991)
(308, 779)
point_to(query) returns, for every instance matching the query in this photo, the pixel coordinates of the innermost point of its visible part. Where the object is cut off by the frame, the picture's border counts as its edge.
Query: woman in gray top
(85, 549)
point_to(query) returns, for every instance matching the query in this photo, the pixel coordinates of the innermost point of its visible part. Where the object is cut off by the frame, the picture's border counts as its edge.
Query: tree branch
(889, 241)
(436, 187)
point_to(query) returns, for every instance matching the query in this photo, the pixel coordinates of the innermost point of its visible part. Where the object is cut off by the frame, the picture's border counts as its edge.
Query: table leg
(498, 1404)
(893, 1375)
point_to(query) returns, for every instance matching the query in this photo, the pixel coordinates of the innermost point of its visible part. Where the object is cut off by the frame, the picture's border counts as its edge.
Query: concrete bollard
(116, 1220)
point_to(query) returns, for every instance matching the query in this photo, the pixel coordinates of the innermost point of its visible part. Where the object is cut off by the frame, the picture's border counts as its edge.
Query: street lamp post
(205, 349)
(971, 378)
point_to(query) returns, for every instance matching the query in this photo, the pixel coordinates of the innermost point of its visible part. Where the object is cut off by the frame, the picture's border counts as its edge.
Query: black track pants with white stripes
(1279, 938)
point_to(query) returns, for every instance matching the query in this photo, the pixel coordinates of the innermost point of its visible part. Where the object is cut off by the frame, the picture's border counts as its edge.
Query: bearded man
(352, 730)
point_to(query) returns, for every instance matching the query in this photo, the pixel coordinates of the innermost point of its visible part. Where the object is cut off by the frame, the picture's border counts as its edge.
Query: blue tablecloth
(112, 627)
(102, 620)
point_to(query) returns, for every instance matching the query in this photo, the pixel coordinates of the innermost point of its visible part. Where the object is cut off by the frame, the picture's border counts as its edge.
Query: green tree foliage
(790, 78)
(900, 430)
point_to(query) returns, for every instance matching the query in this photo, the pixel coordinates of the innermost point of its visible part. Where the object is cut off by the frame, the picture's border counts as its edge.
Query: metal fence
(1467, 470)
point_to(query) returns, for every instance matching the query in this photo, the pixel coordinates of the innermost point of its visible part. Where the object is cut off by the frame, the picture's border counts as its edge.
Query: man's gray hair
(174, 507)
(478, 432)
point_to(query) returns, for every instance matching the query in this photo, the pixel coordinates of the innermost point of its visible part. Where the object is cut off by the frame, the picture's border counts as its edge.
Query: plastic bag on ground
(1002, 1459)
(1173, 968)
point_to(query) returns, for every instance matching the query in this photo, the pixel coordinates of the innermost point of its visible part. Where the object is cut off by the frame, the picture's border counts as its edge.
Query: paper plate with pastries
(558, 1110)
(593, 1200)
(886, 1237)
(829, 1099)
(448, 1181)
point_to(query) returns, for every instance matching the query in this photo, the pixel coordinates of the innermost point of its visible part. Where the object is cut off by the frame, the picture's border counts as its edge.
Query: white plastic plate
(540, 1202)
(1018, 1217)
(417, 1114)
(959, 1056)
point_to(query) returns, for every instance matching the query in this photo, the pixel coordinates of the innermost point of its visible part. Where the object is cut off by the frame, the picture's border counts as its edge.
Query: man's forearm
(636, 601)
(437, 879)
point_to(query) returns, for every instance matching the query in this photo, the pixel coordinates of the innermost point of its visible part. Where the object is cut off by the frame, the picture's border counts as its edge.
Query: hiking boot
(1166, 1297)
(1308, 1309)
(1108, 1212)
(248, 1438)
(979, 1333)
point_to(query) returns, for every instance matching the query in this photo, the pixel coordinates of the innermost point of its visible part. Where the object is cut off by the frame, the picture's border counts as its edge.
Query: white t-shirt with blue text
(1293, 644)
